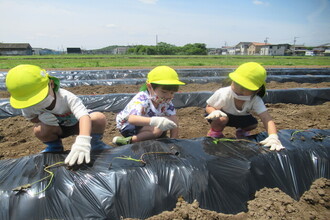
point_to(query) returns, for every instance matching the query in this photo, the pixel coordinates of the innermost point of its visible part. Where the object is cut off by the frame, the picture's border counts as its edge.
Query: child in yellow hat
(150, 113)
(232, 106)
(57, 113)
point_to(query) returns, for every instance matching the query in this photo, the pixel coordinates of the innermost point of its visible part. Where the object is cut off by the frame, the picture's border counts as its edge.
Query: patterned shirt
(142, 105)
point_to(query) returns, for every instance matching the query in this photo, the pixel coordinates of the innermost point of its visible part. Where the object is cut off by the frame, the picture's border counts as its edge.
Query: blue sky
(93, 24)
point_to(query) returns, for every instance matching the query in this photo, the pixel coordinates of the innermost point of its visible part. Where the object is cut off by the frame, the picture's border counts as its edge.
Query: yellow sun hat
(164, 75)
(28, 85)
(250, 75)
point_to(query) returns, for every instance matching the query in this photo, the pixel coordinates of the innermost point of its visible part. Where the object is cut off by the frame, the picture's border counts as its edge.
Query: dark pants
(239, 121)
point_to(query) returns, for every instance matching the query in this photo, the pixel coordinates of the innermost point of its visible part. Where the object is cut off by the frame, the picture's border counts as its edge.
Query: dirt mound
(268, 204)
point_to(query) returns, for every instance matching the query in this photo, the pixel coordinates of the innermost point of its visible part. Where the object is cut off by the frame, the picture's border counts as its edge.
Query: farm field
(130, 61)
(16, 139)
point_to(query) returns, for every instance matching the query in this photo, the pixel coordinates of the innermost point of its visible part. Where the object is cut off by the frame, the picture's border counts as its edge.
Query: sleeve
(170, 109)
(215, 100)
(29, 114)
(76, 105)
(135, 107)
(259, 106)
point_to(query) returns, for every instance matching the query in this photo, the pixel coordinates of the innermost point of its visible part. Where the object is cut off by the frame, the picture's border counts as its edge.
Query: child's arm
(209, 109)
(272, 141)
(174, 133)
(85, 125)
(138, 120)
(268, 123)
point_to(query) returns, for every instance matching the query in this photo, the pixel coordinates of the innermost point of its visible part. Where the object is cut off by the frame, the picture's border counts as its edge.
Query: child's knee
(222, 121)
(44, 132)
(98, 120)
(157, 132)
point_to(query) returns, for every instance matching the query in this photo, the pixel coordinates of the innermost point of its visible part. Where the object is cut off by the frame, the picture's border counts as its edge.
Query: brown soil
(268, 204)
(16, 140)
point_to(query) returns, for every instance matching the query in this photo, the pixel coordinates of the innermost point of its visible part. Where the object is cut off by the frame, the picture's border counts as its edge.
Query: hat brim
(33, 99)
(169, 82)
(243, 82)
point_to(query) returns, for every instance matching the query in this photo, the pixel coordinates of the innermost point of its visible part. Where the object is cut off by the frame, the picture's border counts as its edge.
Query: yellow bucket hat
(28, 85)
(250, 75)
(164, 75)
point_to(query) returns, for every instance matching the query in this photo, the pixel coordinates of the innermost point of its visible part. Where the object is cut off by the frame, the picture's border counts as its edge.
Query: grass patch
(89, 61)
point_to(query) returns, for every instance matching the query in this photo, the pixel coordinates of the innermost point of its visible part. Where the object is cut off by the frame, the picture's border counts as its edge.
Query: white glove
(80, 150)
(48, 119)
(216, 114)
(273, 142)
(162, 123)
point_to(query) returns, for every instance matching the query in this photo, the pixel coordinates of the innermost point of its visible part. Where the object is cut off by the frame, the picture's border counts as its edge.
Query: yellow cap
(164, 75)
(28, 85)
(250, 75)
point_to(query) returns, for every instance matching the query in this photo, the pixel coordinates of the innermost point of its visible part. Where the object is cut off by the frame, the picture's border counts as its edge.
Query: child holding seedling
(232, 106)
(56, 113)
(150, 113)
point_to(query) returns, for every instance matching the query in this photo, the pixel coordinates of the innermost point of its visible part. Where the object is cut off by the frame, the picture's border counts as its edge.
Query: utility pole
(266, 41)
(156, 39)
(294, 45)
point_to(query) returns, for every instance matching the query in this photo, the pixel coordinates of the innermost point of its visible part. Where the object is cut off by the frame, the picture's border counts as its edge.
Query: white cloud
(257, 2)
(149, 1)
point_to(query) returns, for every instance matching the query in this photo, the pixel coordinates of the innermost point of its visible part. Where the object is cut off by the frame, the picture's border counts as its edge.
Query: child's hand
(216, 114)
(162, 123)
(80, 150)
(273, 142)
(48, 119)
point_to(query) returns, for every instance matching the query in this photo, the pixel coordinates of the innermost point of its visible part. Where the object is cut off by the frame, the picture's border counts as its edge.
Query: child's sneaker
(121, 140)
(53, 146)
(53, 149)
(215, 134)
(240, 133)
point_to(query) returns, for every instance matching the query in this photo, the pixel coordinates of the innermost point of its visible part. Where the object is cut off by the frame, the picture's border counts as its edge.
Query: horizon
(216, 23)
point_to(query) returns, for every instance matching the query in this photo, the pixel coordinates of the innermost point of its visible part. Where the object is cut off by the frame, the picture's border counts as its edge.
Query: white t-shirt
(68, 109)
(224, 100)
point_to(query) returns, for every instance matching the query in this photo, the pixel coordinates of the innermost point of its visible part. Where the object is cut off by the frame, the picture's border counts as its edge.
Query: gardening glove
(273, 142)
(48, 119)
(80, 150)
(216, 114)
(162, 123)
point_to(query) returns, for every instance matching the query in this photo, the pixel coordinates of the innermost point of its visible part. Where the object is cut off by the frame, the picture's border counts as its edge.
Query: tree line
(163, 48)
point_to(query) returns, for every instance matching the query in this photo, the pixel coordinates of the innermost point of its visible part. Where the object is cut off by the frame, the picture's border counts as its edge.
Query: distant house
(254, 48)
(309, 53)
(232, 50)
(73, 50)
(326, 52)
(44, 51)
(299, 50)
(7, 49)
(214, 51)
(242, 48)
(275, 49)
(120, 50)
(322, 50)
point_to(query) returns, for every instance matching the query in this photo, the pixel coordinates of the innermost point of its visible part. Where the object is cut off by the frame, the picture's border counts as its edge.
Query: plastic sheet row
(196, 72)
(92, 81)
(222, 175)
(117, 101)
